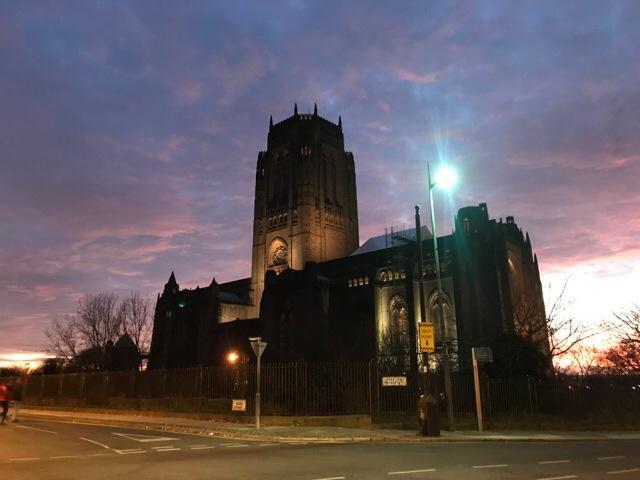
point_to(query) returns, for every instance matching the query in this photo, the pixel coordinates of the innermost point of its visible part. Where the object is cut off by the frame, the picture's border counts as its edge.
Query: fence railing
(301, 388)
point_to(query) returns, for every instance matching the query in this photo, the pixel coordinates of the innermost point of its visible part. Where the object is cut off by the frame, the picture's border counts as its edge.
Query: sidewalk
(311, 434)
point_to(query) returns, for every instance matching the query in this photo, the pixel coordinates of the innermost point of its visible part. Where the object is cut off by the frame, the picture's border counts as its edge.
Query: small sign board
(238, 405)
(394, 381)
(258, 346)
(426, 337)
(482, 354)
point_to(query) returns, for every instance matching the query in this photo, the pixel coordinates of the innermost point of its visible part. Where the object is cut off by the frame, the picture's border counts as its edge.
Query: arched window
(278, 255)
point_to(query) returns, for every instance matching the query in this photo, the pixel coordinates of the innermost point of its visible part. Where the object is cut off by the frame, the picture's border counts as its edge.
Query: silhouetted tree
(98, 322)
(135, 312)
(556, 333)
(624, 356)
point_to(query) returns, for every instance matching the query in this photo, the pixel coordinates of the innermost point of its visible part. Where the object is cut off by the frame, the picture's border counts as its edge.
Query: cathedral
(315, 294)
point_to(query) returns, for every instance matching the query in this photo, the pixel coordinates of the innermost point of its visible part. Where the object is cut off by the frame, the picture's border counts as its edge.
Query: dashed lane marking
(551, 462)
(203, 447)
(38, 429)
(618, 472)
(99, 455)
(564, 477)
(615, 457)
(233, 445)
(330, 478)
(23, 459)
(60, 457)
(268, 444)
(172, 449)
(409, 472)
(499, 465)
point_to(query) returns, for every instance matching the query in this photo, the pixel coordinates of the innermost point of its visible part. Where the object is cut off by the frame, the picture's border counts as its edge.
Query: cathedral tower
(305, 198)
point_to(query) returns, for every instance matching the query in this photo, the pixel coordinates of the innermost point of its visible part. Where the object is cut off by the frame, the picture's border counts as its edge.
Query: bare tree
(557, 332)
(135, 312)
(626, 325)
(62, 338)
(624, 356)
(83, 337)
(98, 320)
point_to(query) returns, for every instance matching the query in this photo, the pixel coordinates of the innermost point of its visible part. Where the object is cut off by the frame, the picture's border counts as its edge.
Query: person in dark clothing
(5, 396)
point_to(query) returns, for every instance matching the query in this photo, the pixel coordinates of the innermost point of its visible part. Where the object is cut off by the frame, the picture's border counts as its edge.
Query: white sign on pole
(258, 346)
(394, 381)
(238, 405)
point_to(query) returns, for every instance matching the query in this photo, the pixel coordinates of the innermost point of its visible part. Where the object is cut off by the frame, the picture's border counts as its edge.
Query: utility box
(428, 416)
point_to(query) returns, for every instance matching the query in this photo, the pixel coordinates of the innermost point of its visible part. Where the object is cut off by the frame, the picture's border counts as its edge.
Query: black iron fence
(301, 388)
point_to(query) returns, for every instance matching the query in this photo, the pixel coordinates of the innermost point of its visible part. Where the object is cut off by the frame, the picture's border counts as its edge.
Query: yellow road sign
(426, 337)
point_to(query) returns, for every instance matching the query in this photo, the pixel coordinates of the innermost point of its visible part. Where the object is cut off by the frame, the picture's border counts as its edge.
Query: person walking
(5, 396)
(16, 394)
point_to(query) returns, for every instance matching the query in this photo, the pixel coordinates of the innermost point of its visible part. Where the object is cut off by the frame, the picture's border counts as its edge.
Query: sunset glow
(130, 136)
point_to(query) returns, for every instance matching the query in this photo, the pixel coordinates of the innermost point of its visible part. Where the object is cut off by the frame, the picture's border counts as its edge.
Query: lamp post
(446, 179)
(258, 347)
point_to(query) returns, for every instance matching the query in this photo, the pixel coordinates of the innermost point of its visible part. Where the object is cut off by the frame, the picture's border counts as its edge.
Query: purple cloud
(130, 132)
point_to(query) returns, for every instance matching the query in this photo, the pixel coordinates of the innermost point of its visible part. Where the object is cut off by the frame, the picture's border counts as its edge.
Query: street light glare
(446, 177)
(232, 357)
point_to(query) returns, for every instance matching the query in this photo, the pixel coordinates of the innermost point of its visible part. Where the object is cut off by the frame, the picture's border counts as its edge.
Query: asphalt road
(39, 449)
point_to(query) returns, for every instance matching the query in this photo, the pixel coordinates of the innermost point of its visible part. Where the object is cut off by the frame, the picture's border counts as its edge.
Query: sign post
(479, 355)
(258, 347)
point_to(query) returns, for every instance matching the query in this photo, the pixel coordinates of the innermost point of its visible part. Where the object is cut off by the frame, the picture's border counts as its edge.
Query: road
(44, 449)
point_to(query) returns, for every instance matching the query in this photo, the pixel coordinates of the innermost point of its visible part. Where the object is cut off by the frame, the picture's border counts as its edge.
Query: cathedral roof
(393, 239)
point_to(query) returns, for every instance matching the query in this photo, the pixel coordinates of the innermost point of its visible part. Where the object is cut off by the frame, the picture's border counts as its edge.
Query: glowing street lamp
(232, 358)
(445, 178)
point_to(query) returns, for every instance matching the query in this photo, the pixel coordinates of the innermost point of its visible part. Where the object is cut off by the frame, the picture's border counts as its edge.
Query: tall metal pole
(445, 348)
(258, 393)
(423, 315)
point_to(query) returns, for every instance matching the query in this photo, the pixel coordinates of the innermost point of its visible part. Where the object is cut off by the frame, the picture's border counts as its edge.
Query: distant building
(315, 294)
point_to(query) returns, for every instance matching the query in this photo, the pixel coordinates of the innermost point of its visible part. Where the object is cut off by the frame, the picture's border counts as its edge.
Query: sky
(129, 133)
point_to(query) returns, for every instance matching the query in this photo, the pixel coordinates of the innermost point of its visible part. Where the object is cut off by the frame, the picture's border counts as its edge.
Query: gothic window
(398, 324)
(466, 227)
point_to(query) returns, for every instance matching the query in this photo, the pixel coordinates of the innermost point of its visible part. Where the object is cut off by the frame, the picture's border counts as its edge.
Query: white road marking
(96, 443)
(38, 429)
(199, 445)
(499, 465)
(23, 459)
(558, 478)
(144, 438)
(267, 444)
(233, 445)
(330, 478)
(63, 456)
(618, 472)
(203, 447)
(550, 462)
(99, 455)
(160, 448)
(129, 451)
(616, 457)
(172, 449)
(407, 472)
